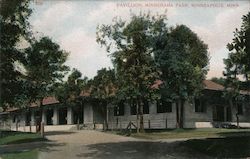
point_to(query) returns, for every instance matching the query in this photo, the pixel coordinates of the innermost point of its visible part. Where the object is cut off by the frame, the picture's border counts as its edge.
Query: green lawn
(14, 137)
(218, 143)
(192, 133)
(33, 154)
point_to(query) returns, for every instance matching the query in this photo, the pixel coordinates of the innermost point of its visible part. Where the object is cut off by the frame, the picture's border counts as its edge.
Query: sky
(72, 24)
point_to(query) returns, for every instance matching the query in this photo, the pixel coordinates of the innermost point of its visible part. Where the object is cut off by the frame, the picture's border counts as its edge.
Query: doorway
(77, 114)
(218, 113)
(62, 116)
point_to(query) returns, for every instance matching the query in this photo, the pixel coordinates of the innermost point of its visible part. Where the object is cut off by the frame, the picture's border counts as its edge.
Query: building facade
(211, 110)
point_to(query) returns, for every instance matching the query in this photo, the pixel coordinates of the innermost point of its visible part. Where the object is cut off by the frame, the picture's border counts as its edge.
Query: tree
(238, 63)
(45, 66)
(130, 44)
(69, 91)
(14, 26)
(183, 59)
(103, 89)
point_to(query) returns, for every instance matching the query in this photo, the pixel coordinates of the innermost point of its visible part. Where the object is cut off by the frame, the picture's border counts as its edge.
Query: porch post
(55, 117)
(44, 117)
(69, 116)
(32, 118)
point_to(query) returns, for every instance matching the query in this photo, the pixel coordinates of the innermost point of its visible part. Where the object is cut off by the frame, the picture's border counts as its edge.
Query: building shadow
(139, 150)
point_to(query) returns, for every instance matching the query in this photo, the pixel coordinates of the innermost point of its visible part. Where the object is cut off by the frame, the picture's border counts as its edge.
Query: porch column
(32, 118)
(44, 116)
(69, 116)
(55, 116)
(225, 113)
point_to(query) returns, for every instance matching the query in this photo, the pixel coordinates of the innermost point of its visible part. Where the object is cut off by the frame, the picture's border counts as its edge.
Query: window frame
(119, 109)
(145, 105)
(201, 108)
(163, 106)
(240, 107)
(133, 108)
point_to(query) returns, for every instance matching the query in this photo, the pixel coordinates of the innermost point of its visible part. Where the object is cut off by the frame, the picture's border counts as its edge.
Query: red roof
(46, 101)
(50, 100)
(156, 84)
(212, 85)
(207, 84)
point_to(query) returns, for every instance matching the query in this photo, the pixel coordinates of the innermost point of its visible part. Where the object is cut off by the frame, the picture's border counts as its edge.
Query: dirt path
(89, 144)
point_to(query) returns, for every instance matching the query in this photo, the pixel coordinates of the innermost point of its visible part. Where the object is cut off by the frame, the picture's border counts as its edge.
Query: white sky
(73, 24)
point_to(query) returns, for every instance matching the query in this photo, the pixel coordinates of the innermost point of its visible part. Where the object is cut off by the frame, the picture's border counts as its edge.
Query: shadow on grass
(51, 133)
(236, 133)
(4, 133)
(28, 149)
(21, 155)
(227, 147)
(139, 150)
(26, 145)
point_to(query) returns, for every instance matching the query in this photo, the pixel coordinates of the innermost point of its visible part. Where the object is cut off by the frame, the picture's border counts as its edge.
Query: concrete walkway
(90, 144)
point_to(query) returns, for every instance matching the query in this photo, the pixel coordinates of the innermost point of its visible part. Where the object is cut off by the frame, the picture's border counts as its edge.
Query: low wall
(47, 128)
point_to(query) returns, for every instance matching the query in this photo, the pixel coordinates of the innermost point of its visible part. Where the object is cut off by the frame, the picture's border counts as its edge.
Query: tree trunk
(39, 122)
(231, 104)
(182, 114)
(137, 117)
(30, 120)
(107, 117)
(177, 115)
(141, 115)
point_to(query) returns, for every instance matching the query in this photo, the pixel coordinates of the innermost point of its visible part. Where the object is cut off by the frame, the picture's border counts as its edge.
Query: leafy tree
(183, 59)
(69, 92)
(45, 66)
(238, 63)
(130, 47)
(14, 26)
(103, 89)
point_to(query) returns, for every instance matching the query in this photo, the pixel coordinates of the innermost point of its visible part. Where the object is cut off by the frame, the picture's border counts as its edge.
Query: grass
(14, 137)
(33, 154)
(192, 133)
(214, 142)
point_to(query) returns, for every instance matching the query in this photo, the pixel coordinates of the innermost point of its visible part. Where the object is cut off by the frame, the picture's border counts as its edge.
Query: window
(199, 106)
(145, 107)
(239, 108)
(14, 119)
(119, 109)
(28, 119)
(163, 106)
(133, 107)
